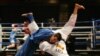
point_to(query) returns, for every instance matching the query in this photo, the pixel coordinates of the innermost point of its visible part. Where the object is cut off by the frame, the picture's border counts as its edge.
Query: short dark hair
(58, 35)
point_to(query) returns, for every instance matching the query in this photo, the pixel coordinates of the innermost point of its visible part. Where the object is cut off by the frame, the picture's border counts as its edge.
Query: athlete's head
(55, 38)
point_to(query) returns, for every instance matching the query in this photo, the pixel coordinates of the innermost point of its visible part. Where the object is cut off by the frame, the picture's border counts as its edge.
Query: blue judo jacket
(32, 42)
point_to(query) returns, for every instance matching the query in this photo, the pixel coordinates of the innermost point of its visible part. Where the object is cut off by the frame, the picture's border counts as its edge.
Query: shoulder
(44, 43)
(61, 41)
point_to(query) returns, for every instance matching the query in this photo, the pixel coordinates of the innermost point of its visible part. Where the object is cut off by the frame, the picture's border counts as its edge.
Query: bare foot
(79, 6)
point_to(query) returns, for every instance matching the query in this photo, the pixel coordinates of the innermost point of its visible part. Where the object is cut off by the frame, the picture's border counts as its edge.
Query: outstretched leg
(68, 27)
(33, 25)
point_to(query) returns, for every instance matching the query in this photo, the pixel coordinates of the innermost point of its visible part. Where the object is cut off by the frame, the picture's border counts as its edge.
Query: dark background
(10, 10)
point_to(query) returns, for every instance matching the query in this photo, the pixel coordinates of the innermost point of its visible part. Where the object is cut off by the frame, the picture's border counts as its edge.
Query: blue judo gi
(32, 42)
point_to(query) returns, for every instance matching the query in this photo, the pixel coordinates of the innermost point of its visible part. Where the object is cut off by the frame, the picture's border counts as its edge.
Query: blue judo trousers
(32, 42)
